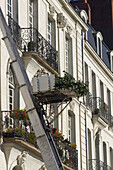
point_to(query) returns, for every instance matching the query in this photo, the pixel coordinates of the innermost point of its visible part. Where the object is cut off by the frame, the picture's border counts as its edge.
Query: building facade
(52, 37)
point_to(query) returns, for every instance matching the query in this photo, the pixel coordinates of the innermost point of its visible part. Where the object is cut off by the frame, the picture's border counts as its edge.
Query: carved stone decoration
(41, 72)
(20, 161)
(52, 10)
(69, 29)
(62, 21)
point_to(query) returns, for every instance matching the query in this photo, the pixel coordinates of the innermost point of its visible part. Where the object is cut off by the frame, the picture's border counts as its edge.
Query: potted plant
(31, 46)
(68, 82)
(96, 111)
(19, 114)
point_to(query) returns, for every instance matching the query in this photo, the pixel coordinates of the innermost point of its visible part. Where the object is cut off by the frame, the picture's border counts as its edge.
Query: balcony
(30, 40)
(16, 125)
(100, 108)
(95, 164)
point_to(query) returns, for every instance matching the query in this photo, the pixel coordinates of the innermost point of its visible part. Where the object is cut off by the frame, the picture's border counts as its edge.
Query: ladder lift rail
(44, 139)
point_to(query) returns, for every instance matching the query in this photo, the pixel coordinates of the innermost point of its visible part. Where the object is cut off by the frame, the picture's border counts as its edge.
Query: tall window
(105, 153)
(101, 90)
(99, 47)
(66, 55)
(11, 89)
(49, 31)
(89, 145)
(51, 117)
(111, 157)
(71, 127)
(31, 13)
(10, 7)
(109, 101)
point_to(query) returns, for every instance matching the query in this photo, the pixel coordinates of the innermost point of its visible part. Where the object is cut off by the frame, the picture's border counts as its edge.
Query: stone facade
(78, 46)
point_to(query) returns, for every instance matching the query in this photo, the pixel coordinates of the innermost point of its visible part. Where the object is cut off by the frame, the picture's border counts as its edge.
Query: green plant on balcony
(30, 136)
(68, 82)
(68, 161)
(73, 145)
(19, 114)
(57, 134)
(96, 111)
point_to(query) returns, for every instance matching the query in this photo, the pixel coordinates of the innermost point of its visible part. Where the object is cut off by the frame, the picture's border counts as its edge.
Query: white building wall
(32, 65)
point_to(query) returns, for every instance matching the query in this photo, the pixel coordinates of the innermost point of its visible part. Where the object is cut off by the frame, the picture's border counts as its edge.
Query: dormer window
(84, 16)
(111, 56)
(99, 44)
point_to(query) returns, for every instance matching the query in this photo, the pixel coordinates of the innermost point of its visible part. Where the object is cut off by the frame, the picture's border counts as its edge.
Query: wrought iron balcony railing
(68, 154)
(99, 107)
(16, 124)
(29, 39)
(89, 100)
(95, 164)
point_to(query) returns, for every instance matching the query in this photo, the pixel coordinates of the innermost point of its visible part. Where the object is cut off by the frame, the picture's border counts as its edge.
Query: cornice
(98, 60)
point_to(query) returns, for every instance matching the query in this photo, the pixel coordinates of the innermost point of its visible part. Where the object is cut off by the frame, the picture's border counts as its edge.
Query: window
(11, 89)
(10, 8)
(49, 31)
(53, 109)
(66, 55)
(97, 147)
(101, 90)
(111, 157)
(51, 117)
(93, 84)
(31, 14)
(84, 15)
(89, 145)
(109, 101)
(105, 153)
(99, 47)
(71, 126)
(99, 44)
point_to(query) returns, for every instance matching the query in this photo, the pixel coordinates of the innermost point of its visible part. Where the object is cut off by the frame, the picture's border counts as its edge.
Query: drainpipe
(86, 141)
(76, 54)
(84, 99)
(80, 136)
(83, 60)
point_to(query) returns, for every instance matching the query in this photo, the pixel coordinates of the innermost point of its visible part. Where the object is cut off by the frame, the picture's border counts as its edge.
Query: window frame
(49, 33)
(11, 86)
(31, 12)
(9, 4)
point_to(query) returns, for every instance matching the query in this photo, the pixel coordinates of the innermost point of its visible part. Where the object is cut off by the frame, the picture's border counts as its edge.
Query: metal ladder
(35, 110)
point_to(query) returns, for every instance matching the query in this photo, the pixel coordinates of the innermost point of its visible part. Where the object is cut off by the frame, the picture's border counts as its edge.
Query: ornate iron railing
(95, 164)
(29, 39)
(89, 100)
(68, 154)
(15, 31)
(99, 107)
(16, 124)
